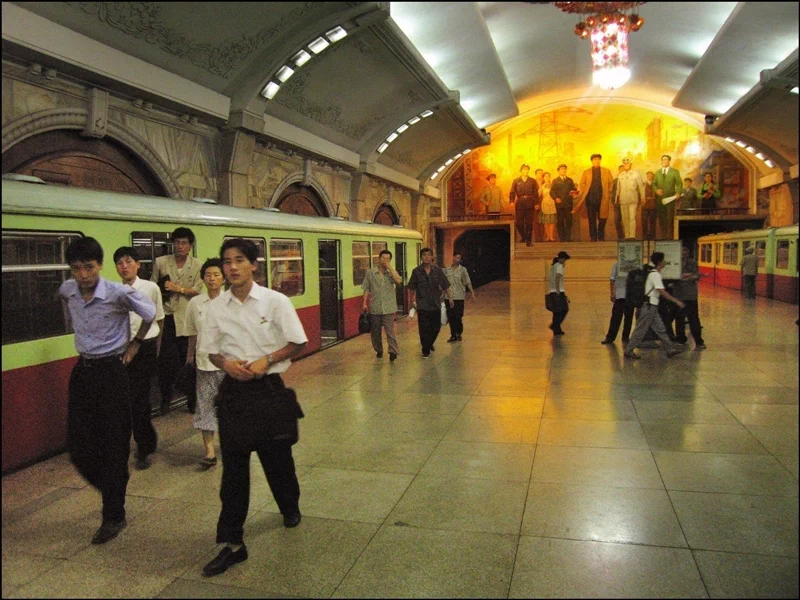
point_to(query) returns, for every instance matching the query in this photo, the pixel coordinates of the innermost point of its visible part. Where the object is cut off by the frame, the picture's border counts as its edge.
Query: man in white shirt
(630, 193)
(145, 364)
(648, 317)
(620, 309)
(252, 333)
(557, 289)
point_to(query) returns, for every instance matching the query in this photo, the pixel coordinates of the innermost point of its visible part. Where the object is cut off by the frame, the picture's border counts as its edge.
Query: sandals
(209, 462)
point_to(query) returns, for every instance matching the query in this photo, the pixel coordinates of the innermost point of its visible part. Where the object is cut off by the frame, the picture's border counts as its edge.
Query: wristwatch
(269, 360)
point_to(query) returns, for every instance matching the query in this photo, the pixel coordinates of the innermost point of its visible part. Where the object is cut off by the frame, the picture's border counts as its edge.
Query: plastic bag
(444, 313)
(363, 323)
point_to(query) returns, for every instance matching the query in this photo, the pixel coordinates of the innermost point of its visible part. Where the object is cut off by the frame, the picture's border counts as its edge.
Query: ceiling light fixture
(335, 34)
(795, 90)
(284, 73)
(450, 162)
(318, 45)
(394, 135)
(301, 58)
(607, 25)
(270, 90)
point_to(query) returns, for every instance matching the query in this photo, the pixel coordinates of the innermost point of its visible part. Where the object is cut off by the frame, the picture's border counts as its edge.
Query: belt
(98, 362)
(526, 196)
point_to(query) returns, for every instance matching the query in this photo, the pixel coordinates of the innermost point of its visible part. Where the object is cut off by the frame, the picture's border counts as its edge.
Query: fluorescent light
(383, 147)
(318, 45)
(435, 175)
(458, 155)
(730, 139)
(284, 73)
(449, 161)
(336, 33)
(392, 137)
(426, 114)
(270, 91)
(795, 90)
(769, 163)
(740, 144)
(402, 128)
(440, 169)
(301, 58)
(467, 151)
(414, 120)
(751, 150)
(760, 156)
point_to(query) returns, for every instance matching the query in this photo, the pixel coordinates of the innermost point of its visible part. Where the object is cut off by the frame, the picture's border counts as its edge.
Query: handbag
(363, 323)
(555, 302)
(443, 310)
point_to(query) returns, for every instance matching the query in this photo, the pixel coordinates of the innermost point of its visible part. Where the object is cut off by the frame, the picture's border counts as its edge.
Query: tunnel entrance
(486, 255)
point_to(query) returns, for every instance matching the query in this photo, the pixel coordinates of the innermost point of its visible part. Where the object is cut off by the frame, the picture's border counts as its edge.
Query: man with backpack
(649, 298)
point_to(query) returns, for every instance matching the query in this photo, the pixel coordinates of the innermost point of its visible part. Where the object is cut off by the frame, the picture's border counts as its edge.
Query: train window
(719, 253)
(761, 252)
(361, 262)
(705, 253)
(781, 257)
(377, 248)
(260, 276)
(150, 245)
(34, 267)
(286, 266)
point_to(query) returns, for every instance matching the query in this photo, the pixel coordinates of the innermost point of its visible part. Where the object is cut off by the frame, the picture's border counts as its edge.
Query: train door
(330, 287)
(400, 267)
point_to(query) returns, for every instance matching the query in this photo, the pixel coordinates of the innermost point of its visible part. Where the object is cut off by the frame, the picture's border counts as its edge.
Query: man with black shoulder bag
(252, 333)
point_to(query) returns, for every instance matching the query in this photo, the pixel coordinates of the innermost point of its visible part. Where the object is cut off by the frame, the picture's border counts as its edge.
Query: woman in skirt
(209, 377)
(547, 214)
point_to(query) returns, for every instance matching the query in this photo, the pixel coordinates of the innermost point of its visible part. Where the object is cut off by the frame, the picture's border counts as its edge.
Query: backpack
(634, 287)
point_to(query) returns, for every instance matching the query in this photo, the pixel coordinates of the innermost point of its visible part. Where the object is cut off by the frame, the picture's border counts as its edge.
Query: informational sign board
(672, 258)
(630, 256)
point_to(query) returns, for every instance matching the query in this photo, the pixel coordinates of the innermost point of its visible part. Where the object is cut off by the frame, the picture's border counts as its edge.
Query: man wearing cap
(595, 188)
(630, 192)
(525, 191)
(563, 190)
(492, 198)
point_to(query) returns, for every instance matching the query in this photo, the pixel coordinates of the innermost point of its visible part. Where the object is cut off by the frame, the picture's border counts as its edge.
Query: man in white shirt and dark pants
(252, 333)
(648, 317)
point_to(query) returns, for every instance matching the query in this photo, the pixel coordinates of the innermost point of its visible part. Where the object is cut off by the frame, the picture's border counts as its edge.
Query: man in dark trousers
(686, 290)
(99, 409)
(595, 189)
(563, 191)
(427, 283)
(620, 309)
(458, 276)
(524, 194)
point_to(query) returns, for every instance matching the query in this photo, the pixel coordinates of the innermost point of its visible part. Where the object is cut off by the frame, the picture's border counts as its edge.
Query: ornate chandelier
(607, 25)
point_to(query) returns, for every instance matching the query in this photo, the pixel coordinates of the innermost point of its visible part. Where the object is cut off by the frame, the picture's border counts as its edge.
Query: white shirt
(149, 289)
(555, 270)
(652, 285)
(196, 324)
(264, 323)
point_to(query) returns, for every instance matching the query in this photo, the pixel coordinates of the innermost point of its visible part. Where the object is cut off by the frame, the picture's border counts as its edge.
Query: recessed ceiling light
(426, 114)
(383, 147)
(435, 175)
(318, 45)
(449, 161)
(467, 151)
(760, 156)
(270, 91)
(740, 144)
(284, 73)
(336, 33)
(795, 90)
(729, 139)
(440, 169)
(402, 128)
(458, 155)
(301, 58)
(769, 163)
(392, 137)
(414, 120)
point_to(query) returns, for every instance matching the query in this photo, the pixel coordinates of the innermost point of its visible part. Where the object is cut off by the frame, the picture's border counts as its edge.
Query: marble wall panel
(21, 99)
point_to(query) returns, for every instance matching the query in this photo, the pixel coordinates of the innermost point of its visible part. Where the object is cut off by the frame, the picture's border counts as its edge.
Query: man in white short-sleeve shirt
(252, 333)
(648, 317)
(619, 310)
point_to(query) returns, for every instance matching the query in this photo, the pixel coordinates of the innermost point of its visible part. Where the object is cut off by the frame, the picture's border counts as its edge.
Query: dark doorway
(329, 298)
(386, 215)
(486, 255)
(302, 200)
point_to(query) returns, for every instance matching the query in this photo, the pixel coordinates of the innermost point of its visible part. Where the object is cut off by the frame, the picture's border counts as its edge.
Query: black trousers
(140, 373)
(649, 223)
(99, 430)
(455, 317)
(597, 226)
(429, 323)
(276, 461)
(171, 360)
(668, 311)
(619, 311)
(524, 220)
(564, 221)
(689, 313)
(558, 317)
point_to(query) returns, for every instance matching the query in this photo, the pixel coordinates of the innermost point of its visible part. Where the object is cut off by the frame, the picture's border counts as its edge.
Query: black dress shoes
(292, 520)
(108, 531)
(452, 339)
(607, 341)
(225, 560)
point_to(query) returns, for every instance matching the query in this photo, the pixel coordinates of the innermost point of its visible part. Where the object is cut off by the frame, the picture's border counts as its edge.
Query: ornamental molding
(78, 118)
(141, 20)
(299, 177)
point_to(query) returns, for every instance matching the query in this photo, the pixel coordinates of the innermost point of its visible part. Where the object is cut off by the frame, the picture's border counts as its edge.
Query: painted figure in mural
(649, 208)
(709, 192)
(689, 197)
(595, 189)
(547, 209)
(562, 192)
(668, 184)
(630, 193)
(617, 211)
(538, 228)
(524, 194)
(492, 198)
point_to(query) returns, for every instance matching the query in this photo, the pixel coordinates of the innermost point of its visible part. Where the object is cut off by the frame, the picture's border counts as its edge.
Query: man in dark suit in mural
(563, 191)
(525, 192)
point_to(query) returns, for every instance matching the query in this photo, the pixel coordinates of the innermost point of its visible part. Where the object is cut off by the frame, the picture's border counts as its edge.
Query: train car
(318, 262)
(720, 257)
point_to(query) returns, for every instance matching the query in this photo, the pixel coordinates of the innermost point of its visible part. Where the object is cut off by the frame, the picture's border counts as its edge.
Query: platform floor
(508, 465)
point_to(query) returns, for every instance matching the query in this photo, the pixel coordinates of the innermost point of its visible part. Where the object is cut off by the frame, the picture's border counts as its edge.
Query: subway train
(318, 262)
(720, 257)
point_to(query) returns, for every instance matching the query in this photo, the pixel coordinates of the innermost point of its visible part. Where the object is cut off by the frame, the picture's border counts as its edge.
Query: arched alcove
(386, 215)
(298, 199)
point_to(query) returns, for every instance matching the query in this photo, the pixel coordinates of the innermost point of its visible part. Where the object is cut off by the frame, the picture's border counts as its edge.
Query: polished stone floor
(508, 465)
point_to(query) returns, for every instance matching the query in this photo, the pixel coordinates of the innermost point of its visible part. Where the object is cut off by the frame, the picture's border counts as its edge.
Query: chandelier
(607, 25)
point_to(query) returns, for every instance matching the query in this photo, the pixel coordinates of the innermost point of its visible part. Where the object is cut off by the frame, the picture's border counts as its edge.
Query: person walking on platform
(209, 377)
(379, 287)
(648, 317)
(460, 282)
(557, 293)
(145, 364)
(749, 266)
(563, 191)
(619, 310)
(524, 194)
(99, 405)
(427, 284)
(251, 334)
(179, 274)
(686, 291)
(595, 190)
